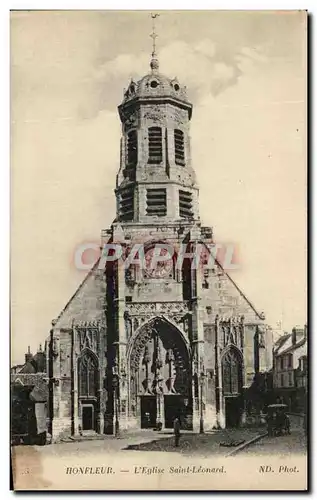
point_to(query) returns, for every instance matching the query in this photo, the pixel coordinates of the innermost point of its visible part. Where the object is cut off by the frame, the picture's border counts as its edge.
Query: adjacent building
(290, 369)
(29, 396)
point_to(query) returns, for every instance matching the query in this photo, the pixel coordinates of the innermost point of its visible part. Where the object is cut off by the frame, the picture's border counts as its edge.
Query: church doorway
(148, 412)
(232, 386)
(232, 411)
(173, 407)
(158, 374)
(88, 417)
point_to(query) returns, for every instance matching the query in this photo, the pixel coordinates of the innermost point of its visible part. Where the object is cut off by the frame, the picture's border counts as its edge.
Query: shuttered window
(132, 147)
(155, 145)
(185, 204)
(156, 202)
(179, 147)
(126, 208)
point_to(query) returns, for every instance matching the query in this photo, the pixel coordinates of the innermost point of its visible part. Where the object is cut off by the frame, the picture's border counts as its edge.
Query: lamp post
(115, 394)
(201, 422)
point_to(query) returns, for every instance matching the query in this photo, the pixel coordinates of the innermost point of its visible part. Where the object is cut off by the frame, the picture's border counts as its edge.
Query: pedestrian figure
(177, 431)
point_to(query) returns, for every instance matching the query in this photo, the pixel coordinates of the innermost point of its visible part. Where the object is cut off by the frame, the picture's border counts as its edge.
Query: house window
(281, 363)
(179, 147)
(290, 360)
(290, 379)
(132, 147)
(185, 204)
(155, 145)
(282, 380)
(126, 204)
(156, 202)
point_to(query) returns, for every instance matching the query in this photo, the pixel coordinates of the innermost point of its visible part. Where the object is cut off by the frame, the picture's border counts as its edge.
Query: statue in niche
(128, 324)
(156, 364)
(170, 361)
(146, 361)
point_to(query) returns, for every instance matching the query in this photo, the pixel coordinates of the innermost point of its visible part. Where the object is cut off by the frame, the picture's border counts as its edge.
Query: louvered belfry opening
(185, 204)
(127, 204)
(132, 147)
(155, 145)
(156, 202)
(179, 147)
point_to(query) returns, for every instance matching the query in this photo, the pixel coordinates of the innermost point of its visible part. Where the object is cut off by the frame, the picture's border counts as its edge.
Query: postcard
(158, 317)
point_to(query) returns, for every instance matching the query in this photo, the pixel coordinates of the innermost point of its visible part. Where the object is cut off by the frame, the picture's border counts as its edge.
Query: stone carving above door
(169, 308)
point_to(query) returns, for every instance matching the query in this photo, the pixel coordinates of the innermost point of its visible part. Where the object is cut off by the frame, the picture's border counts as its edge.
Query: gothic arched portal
(159, 375)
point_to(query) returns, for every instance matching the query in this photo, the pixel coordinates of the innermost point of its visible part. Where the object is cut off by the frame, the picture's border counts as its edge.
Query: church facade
(140, 344)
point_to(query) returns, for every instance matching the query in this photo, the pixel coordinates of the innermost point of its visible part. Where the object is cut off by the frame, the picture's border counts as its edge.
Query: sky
(245, 74)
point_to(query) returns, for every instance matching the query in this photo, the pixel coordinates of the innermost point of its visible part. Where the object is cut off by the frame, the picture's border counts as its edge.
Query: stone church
(136, 346)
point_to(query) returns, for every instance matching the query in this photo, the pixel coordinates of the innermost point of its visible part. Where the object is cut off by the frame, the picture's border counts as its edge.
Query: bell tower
(156, 182)
(148, 336)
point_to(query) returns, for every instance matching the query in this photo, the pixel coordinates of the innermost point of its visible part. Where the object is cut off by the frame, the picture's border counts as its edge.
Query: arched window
(87, 375)
(231, 373)
(132, 147)
(179, 147)
(155, 145)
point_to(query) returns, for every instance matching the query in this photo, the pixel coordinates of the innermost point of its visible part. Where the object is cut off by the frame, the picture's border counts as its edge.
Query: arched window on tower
(132, 147)
(179, 147)
(155, 145)
(87, 376)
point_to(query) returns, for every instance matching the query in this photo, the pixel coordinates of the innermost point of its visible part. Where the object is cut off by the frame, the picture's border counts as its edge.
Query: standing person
(177, 431)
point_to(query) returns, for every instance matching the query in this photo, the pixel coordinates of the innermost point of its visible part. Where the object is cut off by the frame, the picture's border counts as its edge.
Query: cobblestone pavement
(202, 445)
(140, 441)
(295, 443)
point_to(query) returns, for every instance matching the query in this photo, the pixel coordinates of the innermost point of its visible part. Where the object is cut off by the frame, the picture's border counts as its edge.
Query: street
(295, 443)
(213, 442)
(64, 464)
(204, 445)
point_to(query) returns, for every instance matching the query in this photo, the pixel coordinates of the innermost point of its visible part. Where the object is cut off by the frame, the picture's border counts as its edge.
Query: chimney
(28, 355)
(297, 334)
(40, 360)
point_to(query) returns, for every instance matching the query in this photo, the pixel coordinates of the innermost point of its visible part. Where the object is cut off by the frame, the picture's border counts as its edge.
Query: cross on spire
(153, 35)
(154, 62)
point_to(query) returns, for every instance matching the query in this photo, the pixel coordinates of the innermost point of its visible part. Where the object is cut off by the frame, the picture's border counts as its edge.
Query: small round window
(176, 87)
(154, 84)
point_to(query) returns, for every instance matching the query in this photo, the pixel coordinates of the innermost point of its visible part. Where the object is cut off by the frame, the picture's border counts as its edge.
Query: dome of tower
(155, 84)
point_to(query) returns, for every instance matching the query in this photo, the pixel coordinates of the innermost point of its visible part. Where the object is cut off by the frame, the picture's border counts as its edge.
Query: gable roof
(293, 347)
(245, 298)
(80, 286)
(281, 341)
